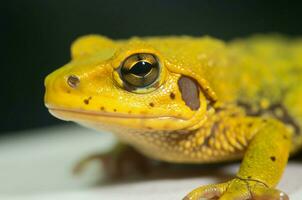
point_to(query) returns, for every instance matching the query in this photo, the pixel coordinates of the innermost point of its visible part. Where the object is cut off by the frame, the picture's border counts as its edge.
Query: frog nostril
(73, 81)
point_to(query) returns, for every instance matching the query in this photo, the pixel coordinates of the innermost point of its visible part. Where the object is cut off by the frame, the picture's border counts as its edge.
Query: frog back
(269, 83)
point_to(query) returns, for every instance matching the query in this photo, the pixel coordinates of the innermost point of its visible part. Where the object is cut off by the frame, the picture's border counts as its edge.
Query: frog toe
(270, 194)
(237, 189)
(207, 192)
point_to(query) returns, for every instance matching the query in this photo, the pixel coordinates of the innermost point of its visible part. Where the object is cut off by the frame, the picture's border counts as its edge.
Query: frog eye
(140, 70)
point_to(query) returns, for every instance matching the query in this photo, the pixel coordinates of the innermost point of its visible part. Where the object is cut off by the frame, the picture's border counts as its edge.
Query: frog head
(141, 83)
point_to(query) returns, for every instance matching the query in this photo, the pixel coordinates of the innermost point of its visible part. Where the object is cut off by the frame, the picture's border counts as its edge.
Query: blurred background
(36, 36)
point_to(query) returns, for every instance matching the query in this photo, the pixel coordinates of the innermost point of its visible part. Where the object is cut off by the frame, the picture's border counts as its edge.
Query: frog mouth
(55, 110)
(110, 120)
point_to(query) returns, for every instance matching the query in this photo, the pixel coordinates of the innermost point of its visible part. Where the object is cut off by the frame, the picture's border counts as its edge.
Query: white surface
(37, 166)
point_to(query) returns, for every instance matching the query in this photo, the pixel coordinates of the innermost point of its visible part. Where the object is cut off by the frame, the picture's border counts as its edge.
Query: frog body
(190, 100)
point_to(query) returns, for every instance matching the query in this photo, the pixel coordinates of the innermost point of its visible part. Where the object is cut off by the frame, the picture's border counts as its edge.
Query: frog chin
(109, 121)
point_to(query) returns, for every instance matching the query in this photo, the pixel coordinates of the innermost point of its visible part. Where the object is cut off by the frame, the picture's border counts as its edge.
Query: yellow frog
(191, 100)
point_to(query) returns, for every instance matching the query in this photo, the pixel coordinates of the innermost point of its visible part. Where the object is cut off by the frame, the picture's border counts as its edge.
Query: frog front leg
(120, 162)
(261, 169)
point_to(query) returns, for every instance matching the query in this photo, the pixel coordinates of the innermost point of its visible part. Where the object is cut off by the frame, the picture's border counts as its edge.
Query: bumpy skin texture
(213, 101)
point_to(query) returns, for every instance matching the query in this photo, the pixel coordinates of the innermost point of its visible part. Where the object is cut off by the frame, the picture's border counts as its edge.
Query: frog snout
(58, 88)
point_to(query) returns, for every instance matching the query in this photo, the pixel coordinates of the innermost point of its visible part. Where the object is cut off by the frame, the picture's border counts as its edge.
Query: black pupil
(141, 68)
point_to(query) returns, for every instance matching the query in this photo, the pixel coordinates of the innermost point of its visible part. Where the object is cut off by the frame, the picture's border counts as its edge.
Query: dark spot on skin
(102, 108)
(151, 104)
(220, 109)
(249, 177)
(285, 137)
(148, 127)
(189, 90)
(250, 124)
(114, 110)
(73, 81)
(129, 112)
(86, 101)
(68, 91)
(172, 95)
(264, 120)
(273, 158)
(234, 115)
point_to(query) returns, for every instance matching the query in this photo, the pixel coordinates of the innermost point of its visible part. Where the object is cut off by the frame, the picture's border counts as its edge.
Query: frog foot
(237, 189)
(121, 162)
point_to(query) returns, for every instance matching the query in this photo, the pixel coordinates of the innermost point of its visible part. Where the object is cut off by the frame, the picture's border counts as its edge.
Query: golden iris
(140, 70)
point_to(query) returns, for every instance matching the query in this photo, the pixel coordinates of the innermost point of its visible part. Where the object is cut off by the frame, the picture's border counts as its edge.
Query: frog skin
(183, 99)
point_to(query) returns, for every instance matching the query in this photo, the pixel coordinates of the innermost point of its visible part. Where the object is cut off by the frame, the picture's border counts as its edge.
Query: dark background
(36, 36)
